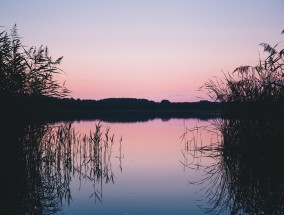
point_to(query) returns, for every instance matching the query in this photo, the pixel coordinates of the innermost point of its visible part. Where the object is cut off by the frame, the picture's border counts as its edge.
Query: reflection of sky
(152, 181)
(152, 48)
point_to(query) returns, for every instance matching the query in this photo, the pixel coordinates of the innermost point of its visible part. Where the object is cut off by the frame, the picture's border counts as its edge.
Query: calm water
(229, 166)
(152, 179)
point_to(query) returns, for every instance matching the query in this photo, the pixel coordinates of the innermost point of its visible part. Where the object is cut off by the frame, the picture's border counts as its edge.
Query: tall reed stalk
(53, 155)
(263, 83)
(245, 172)
(27, 71)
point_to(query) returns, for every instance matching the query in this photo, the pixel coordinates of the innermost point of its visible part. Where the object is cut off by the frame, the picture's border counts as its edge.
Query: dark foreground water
(179, 166)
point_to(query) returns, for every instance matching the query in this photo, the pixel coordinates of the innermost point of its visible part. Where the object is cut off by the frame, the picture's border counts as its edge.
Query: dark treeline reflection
(41, 161)
(246, 172)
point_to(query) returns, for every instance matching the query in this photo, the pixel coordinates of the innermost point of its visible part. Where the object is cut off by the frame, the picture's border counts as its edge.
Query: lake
(149, 178)
(175, 166)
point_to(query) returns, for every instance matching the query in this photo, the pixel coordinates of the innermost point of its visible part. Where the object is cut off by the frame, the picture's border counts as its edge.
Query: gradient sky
(154, 49)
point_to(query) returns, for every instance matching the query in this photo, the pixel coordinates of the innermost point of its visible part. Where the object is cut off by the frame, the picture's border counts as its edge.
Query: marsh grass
(27, 72)
(261, 85)
(53, 155)
(245, 172)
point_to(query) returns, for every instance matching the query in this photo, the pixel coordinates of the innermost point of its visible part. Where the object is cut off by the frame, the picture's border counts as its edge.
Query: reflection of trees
(247, 176)
(49, 157)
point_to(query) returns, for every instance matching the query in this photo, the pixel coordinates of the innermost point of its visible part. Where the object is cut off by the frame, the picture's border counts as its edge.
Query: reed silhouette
(26, 75)
(257, 87)
(27, 71)
(43, 159)
(246, 173)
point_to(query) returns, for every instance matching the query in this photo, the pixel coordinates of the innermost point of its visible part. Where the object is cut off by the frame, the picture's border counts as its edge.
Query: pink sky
(146, 49)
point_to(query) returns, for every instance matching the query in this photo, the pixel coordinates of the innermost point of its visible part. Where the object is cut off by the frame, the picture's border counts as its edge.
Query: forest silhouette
(28, 86)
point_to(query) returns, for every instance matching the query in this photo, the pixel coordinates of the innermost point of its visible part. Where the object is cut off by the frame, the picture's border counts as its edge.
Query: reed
(52, 155)
(262, 84)
(27, 71)
(245, 175)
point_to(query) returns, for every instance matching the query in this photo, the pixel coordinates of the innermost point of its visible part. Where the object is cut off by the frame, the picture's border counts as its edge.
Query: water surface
(177, 166)
(152, 180)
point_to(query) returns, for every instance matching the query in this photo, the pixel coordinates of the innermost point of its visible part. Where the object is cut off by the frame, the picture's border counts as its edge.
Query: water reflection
(46, 158)
(247, 172)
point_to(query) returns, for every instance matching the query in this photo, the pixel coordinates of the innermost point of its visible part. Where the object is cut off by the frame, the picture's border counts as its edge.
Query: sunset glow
(153, 49)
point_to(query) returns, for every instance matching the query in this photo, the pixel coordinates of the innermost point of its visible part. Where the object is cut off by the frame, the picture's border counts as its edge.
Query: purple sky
(154, 49)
